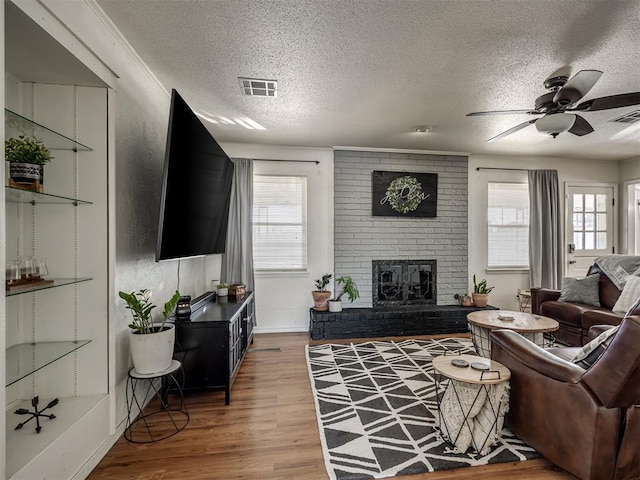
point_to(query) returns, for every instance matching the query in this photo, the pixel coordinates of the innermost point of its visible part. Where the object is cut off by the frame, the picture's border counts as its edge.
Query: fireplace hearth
(404, 282)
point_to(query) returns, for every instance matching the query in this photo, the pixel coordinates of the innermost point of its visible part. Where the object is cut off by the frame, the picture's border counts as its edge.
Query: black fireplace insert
(404, 282)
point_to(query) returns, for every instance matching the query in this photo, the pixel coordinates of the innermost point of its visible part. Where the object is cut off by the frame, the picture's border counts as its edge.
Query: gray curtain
(545, 229)
(237, 262)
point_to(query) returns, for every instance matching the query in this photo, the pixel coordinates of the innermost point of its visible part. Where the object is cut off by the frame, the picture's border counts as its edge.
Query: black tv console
(213, 342)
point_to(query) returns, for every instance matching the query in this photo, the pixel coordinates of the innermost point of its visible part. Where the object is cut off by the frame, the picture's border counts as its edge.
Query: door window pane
(577, 202)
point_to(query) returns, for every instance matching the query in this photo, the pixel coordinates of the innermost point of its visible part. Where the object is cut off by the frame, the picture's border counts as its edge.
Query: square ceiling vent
(631, 117)
(256, 87)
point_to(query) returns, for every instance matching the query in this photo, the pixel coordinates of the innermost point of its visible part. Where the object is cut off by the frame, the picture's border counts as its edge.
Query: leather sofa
(585, 421)
(575, 319)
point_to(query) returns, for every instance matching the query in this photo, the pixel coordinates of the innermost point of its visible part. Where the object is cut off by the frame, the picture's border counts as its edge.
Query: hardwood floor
(268, 432)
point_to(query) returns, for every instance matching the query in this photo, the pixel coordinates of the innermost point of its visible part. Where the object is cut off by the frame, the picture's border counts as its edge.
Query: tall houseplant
(321, 295)
(481, 292)
(349, 288)
(27, 157)
(151, 343)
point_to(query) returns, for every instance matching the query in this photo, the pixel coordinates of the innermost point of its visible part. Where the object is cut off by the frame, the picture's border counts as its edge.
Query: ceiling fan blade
(512, 130)
(580, 127)
(612, 101)
(504, 112)
(577, 87)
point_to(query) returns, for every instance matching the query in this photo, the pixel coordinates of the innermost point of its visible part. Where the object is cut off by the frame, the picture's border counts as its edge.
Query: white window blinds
(279, 222)
(508, 225)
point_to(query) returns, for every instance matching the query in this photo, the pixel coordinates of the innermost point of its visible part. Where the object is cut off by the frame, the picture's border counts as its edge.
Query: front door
(590, 226)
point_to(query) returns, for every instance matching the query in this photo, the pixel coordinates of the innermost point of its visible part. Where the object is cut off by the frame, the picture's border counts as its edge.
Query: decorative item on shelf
(183, 309)
(151, 343)
(25, 273)
(480, 292)
(222, 289)
(349, 287)
(236, 290)
(35, 401)
(26, 157)
(464, 300)
(321, 295)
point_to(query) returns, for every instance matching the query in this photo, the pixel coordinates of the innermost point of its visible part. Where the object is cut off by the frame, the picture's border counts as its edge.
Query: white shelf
(25, 444)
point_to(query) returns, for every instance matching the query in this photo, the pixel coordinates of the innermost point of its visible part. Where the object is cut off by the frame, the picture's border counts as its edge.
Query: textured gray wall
(361, 238)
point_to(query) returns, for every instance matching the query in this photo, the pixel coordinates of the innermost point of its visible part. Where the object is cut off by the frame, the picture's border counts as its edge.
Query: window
(508, 220)
(279, 222)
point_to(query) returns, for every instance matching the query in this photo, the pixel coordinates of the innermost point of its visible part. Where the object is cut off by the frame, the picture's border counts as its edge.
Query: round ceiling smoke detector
(423, 129)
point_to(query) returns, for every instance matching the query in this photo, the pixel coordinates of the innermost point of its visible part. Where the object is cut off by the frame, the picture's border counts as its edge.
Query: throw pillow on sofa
(581, 290)
(630, 293)
(592, 351)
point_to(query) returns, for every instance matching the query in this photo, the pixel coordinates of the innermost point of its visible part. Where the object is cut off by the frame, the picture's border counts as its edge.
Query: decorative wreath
(405, 194)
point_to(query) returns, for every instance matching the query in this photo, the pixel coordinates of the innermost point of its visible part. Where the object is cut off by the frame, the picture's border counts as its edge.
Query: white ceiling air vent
(256, 87)
(631, 117)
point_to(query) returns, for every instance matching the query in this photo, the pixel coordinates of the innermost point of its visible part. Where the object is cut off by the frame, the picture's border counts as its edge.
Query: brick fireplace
(361, 238)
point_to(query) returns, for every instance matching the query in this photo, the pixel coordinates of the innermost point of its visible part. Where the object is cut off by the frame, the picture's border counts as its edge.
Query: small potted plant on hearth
(26, 157)
(151, 343)
(481, 292)
(349, 287)
(321, 295)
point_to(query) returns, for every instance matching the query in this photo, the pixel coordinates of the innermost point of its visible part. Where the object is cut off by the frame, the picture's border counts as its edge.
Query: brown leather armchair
(585, 421)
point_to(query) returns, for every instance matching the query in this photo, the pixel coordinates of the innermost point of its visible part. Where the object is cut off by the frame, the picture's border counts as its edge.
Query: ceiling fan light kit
(563, 95)
(555, 123)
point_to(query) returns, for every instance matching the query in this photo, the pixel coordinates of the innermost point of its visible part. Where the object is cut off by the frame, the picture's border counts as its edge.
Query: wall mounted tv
(196, 188)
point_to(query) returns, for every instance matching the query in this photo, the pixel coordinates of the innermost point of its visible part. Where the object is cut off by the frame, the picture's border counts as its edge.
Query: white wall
(507, 283)
(628, 170)
(283, 299)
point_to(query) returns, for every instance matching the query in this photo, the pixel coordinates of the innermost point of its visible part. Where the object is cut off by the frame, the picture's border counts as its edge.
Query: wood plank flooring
(269, 432)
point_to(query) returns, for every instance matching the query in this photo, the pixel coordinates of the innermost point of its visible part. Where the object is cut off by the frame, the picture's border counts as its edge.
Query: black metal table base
(153, 423)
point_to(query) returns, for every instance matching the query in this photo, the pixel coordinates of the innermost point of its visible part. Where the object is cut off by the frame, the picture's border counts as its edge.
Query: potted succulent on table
(321, 295)
(26, 157)
(349, 287)
(222, 289)
(151, 343)
(481, 292)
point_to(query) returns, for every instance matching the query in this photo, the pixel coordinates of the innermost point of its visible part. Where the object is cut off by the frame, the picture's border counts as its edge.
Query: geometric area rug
(376, 408)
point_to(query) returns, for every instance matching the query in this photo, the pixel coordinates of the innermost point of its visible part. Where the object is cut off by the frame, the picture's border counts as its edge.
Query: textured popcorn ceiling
(364, 73)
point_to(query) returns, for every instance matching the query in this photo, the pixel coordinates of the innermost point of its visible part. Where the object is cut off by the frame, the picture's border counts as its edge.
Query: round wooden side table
(530, 326)
(472, 400)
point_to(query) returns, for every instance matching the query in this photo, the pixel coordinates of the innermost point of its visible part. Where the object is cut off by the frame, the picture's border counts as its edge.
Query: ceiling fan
(564, 93)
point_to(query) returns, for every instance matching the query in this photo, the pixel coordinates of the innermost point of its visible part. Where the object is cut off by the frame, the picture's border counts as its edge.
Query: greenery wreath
(405, 194)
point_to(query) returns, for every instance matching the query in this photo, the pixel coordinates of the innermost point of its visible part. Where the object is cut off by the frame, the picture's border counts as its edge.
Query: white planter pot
(153, 352)
(335, 305)
(222, 292)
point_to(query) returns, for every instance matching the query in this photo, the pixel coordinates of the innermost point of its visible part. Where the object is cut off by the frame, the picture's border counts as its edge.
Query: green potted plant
(321, 295)
(350, 288)
(464, 300)
(222, 289)
(481, 292)
(151, 343)
(26, 157)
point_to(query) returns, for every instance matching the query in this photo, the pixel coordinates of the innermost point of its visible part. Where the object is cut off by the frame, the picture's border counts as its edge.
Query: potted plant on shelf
(350, 288)
(151, 343)
(321, 294)
(480, 292)
(464, 300)
(222, 289)
(26, 157)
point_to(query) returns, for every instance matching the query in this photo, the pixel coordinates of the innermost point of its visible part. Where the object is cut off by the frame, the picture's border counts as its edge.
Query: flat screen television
(196, 188)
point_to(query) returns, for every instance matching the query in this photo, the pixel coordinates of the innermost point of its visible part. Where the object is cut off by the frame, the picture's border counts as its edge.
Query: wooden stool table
(530, 326)
(471, 402)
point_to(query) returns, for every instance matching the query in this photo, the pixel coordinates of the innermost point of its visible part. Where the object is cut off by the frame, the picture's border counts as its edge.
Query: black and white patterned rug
(376, 407)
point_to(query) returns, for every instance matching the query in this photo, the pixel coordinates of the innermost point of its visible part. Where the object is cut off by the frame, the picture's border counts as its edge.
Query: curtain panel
(545, 229)
(237, 262)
